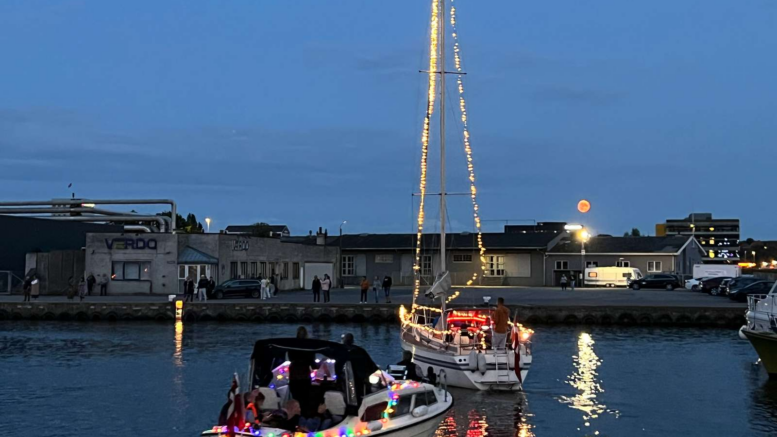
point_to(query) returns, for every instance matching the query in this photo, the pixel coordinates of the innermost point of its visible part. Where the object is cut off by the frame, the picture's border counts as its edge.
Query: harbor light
(573, 227)
(178, 309)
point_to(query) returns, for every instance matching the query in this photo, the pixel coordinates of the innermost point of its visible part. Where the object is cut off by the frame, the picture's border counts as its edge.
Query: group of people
(564, 281)
(204, 288)
(376, 285)
(320, 285)
(85, 286)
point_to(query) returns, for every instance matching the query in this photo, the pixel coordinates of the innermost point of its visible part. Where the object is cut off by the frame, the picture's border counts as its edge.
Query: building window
(243, 270)
(348, 265)
(426, 265)
(623, 264)
(462, 258)
(254, 269)
(295, 271)
(654, 266)
(233, 270)
(384, 259)
(589, 264)
(495, 265)
(263, 269)
(562, 265)
(285, 271)
(131, 271)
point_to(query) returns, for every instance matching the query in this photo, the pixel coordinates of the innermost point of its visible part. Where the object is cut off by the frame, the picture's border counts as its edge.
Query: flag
(236, 416)
(70, 185)
(517, 350)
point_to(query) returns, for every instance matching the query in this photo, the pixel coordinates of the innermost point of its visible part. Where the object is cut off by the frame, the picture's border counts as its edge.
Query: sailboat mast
(443, 267)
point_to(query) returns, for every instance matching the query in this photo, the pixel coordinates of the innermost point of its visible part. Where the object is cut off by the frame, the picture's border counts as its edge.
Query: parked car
(760, 287)
(737, 283)
(238, 288)
(670, 282)
(693, 284)
(720, 290)
(708, 284)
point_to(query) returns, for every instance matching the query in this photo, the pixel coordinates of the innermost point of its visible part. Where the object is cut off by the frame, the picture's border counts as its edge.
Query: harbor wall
(368, 313)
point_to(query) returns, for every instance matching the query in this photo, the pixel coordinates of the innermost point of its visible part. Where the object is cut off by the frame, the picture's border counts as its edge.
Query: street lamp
(340, 254)
(753, 252)
(207, 222)
(584, 236)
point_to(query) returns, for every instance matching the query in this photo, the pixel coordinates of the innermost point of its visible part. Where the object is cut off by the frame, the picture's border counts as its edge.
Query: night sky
(308, 113)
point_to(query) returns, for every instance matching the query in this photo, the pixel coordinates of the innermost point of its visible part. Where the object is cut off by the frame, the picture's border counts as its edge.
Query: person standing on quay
(387, 288)
(563, 282)
(365, 286)
(90, 281)
(572, 283)
(81, 289)
(27, 288)
(202, 289)
(190, 288)
(326, 285)
(316, 289)
(265, 289)
(35, 287)
(273, 289)
(377, 284)
(211, 287)
(104, 285)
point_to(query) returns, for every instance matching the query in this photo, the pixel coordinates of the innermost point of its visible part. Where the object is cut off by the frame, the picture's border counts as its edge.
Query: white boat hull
(458, 371)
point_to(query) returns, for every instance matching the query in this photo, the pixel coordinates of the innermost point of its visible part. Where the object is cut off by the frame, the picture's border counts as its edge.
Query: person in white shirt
(326, 285)
(265, 289)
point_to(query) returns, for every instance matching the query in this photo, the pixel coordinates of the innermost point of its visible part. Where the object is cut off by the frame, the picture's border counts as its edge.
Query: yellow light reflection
(178, 354)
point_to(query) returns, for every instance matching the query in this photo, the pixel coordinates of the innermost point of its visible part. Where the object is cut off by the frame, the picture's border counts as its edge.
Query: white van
(716, 270)
(611, 276)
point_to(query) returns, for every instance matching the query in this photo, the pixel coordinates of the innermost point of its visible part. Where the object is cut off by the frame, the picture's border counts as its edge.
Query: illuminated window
(593, 274)
(562, 265)
(654, 266)
(348, 265)
(495, 265)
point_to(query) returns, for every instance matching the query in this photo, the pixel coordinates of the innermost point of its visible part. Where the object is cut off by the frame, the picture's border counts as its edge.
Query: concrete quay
(532, 305)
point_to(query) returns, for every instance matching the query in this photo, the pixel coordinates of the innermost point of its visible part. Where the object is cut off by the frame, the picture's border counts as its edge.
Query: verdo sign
(130, 243)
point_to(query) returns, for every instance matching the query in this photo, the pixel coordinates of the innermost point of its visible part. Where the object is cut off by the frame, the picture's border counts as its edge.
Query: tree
(634, 233)
(261, 229)
(189, 225)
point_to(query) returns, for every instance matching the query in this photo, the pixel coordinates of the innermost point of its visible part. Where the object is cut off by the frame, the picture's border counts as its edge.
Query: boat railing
(754, 299)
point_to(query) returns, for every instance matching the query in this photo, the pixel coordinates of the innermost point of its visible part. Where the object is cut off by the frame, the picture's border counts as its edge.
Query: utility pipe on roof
(173, 206)
(120, 218)
(92, 212)
(137, 228)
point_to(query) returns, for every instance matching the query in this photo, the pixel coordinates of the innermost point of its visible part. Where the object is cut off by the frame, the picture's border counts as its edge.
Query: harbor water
(154, 379)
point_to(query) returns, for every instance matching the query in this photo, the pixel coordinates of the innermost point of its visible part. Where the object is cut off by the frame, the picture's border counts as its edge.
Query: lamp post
(340, 254)
(754, 262)
(584, 235)
(207, 222)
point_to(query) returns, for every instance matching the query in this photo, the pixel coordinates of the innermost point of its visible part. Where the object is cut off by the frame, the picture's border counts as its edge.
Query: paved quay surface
(514, 296)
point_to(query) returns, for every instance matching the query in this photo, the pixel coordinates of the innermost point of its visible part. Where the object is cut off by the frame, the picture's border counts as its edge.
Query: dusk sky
(308, 113)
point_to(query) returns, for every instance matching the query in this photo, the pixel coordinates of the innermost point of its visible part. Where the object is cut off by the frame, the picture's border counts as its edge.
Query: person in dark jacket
(410, 367)
(190, 289)
(211, 286)
(316, 289)
(90, 281)
(27, 287)
(387, 288)
(202, 287)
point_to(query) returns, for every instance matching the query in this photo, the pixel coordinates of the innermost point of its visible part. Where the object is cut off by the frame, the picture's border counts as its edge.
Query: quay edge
(728, 317)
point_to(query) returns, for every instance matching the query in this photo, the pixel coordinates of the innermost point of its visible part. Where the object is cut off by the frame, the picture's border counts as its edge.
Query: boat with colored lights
(457, 341)
(360, 398)
(761, 328)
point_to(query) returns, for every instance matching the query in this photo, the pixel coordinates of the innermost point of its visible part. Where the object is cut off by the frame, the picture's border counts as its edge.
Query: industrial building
(719, 238)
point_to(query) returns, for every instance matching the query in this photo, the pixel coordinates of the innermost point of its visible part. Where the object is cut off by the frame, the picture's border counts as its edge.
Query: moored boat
(761, 328)
(361, 399)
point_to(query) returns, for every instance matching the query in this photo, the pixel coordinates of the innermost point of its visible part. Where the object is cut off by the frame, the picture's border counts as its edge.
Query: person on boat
(430, 376)
(253, 401)
(563, 282)
(387, 288)
(321, 420)
(411, 371)
(286, 418)
(316, 289)
(302, 363)
(347, 339)
(501, 325)
(365, 286)
(326, 285)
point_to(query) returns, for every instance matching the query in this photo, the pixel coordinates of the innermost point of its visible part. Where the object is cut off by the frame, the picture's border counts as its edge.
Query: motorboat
(360, 398)
(761, 328)
(459, 341)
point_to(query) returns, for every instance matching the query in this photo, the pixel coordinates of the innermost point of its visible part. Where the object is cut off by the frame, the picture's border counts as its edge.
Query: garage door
(317, 269)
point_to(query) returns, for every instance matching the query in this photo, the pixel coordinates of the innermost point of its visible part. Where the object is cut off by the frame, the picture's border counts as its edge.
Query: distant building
(538, 228)
(675, 254)
(275, 230)
(719, 238)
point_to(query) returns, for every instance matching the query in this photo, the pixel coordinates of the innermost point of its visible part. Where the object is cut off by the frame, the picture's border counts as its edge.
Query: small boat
(362, 399)
(761, 328)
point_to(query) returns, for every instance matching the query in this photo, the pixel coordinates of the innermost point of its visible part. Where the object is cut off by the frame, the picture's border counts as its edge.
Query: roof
(190, 255)
(616, 245)
(453, 241)
(247, 229)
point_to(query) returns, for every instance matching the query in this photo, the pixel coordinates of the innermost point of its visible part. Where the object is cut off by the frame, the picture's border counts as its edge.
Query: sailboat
(456, 342)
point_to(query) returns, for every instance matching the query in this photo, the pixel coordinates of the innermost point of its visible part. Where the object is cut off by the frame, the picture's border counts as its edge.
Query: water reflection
(178, 353)
(585, 380)
(490, 418)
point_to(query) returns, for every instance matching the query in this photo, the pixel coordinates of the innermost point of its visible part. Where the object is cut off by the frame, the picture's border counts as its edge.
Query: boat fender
(482, 363)
(473, 361)
(510, 360)
(742, 334)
